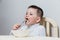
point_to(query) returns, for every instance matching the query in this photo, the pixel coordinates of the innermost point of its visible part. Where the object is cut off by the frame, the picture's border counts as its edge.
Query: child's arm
(41, 31)
(14, 27)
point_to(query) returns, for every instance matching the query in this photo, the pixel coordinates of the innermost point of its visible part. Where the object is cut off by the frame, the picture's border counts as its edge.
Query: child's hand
(16, 26)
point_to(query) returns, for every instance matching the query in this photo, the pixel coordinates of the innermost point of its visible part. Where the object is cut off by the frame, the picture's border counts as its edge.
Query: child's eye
(31, 14)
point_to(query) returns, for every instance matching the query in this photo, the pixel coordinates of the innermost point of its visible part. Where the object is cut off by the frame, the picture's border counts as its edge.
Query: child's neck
(32, 24)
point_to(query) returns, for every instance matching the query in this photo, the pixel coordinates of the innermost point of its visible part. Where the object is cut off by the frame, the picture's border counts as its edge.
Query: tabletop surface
(9, 37)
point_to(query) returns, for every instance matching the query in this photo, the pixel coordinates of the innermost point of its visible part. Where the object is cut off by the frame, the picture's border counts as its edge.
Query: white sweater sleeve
(42, 31)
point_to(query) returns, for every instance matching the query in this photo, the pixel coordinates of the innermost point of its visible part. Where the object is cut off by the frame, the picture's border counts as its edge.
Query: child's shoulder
(41, 27)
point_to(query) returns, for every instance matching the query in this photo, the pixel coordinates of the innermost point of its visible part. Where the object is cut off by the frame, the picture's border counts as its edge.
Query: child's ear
(38, 19)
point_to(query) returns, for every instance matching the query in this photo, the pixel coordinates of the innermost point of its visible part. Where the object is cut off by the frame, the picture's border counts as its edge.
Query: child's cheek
(31, 20)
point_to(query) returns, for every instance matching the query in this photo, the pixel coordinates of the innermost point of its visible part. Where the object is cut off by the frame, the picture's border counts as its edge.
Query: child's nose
(27, 15)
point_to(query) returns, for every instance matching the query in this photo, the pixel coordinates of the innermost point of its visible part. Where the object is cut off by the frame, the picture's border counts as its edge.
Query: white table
(8, 37)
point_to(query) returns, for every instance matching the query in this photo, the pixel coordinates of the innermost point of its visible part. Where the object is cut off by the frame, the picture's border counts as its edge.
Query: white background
(13, 11)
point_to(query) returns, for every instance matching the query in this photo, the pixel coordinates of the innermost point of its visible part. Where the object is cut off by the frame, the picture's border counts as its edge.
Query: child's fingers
(16, 26)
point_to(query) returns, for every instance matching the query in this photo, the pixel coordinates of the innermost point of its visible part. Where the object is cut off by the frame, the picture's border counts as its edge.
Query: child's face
(31, 16)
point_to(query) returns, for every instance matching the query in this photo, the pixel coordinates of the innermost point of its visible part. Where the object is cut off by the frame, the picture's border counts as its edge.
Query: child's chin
(27, 24)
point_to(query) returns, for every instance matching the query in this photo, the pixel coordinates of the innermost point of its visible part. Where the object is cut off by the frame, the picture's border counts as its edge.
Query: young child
(33, 17)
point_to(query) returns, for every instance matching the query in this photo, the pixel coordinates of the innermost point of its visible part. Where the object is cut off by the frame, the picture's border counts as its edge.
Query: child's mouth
(26, 20)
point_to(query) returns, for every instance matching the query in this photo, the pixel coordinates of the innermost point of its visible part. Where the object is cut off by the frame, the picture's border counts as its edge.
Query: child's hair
(39, 10)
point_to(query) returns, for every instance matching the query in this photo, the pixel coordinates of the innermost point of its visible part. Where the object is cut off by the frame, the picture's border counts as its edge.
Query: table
(9, 37)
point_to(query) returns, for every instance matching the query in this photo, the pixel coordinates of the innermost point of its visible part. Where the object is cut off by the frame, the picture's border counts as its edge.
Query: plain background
(13, 11)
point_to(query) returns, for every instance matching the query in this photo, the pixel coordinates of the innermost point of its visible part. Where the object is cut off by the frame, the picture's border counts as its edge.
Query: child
(33, 17)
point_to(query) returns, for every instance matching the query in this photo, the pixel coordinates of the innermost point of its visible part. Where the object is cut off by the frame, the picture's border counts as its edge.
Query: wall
(13, 11)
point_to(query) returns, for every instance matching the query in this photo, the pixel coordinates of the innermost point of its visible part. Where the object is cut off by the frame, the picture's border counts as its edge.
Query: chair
(50, 26)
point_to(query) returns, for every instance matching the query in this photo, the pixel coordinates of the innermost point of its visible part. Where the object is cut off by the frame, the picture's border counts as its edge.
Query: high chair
(51, 27)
